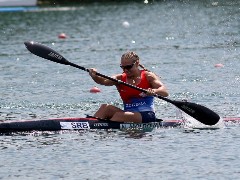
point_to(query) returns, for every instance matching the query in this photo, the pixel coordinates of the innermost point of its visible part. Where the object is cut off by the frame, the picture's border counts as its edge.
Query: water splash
(191, 123)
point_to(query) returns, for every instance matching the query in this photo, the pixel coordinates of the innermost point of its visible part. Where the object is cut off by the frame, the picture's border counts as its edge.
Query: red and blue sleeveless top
(134, 100)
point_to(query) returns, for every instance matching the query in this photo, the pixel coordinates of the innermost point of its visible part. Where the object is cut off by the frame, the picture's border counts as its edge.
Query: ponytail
(142, 66)
(145, 69)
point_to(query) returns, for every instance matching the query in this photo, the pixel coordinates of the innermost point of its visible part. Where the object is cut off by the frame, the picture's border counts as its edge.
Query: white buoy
(125, 24)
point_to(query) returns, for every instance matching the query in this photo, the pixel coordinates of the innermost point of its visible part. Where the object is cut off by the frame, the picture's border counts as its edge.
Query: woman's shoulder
(151, 75)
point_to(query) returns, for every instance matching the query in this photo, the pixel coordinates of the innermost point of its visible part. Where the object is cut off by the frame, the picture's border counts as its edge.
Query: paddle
(198, 112)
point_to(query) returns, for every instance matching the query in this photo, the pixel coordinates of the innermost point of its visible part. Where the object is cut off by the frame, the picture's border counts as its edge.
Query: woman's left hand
(150, 92)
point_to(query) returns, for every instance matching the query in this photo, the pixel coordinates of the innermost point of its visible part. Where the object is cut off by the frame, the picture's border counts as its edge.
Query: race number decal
(74, 125)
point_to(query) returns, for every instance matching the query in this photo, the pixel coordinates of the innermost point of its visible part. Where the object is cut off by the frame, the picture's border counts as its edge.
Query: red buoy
(218, 65)
(95, 90)
(62, 36)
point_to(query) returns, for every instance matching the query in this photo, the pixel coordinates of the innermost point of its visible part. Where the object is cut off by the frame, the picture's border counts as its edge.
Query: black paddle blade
(45, 52)
(198, 112)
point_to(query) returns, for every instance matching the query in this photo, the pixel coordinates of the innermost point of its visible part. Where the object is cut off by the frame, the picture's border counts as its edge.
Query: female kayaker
(138, 106)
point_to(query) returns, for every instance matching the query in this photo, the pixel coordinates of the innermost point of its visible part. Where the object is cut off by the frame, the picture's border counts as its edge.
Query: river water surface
(180, 41)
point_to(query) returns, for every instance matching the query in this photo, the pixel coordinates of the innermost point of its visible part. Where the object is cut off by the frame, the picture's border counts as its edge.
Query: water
(180, 41)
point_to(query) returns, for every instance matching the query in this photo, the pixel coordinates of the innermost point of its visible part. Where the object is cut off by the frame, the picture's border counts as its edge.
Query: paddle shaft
(199, 112)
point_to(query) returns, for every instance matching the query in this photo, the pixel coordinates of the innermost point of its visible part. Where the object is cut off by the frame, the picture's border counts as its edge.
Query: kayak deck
(86, 123)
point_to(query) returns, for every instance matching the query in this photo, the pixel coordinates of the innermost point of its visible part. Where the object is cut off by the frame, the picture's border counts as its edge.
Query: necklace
(134, 81)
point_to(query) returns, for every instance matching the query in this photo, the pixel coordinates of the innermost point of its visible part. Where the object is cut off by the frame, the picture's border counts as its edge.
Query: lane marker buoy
(62, 36)
(218, 65)
(95, 90)
(126, 24)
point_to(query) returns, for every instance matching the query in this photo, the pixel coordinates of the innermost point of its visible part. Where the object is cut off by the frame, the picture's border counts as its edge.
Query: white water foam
(191, 123)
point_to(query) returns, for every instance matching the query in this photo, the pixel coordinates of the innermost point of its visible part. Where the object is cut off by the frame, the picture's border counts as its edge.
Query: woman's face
(129, 66)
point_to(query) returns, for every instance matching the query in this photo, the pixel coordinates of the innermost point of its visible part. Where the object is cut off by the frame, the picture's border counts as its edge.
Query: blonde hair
(130, 55)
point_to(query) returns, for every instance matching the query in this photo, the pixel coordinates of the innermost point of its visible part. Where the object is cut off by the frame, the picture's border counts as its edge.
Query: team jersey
(134, 100)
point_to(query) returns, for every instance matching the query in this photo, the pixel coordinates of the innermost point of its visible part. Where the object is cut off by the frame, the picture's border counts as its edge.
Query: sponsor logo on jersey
(135, 104)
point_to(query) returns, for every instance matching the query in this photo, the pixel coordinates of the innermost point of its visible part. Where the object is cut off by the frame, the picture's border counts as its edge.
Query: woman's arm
(157, 86)
(102, 80)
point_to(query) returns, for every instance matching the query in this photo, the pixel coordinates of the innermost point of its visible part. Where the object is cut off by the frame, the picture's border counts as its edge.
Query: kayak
(87, 123)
